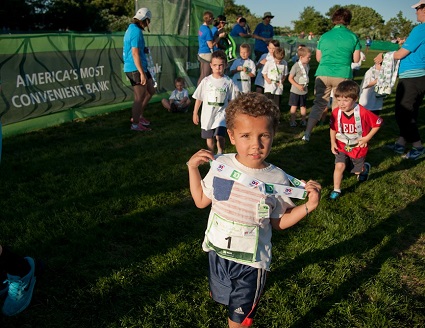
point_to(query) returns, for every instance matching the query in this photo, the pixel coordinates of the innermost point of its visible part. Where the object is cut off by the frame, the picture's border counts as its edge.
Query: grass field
(109, 212)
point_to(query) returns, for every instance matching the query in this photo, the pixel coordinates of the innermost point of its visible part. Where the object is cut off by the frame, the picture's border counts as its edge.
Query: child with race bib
(259, 79)
(248, 197)
(275, 73)
(351, 128)
(243, 69)
(214, 93)
(298, 77)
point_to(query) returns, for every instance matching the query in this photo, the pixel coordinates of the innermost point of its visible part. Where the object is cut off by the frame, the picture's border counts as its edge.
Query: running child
(243, 212)
(214, 93)
(351, 128)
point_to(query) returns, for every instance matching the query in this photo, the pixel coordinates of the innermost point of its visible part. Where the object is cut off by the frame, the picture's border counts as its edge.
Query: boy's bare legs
(338, 175)
(293, 111)
(220, 144)
(233, 324)
(303, 112)
(166, 104)
(210, 144)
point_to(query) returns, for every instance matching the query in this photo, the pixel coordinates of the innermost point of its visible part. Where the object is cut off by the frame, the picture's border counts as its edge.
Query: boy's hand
(314, 190)
(363, 142)
(334, 148)
(201, 157)
(195, 118)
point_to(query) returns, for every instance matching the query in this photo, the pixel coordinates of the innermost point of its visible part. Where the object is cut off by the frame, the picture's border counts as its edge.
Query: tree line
(115, 15)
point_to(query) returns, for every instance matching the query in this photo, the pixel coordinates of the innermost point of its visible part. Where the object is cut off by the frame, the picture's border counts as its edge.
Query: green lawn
(109, 212)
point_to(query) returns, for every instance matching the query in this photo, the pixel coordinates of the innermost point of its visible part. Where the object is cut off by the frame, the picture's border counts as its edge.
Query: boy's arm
(364, 140)
(293, 215)
(201, 157)
(294, 83)
(334, 147)
(195, 116)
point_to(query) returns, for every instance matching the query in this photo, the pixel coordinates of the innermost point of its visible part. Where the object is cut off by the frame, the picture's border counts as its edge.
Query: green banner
(46, 74)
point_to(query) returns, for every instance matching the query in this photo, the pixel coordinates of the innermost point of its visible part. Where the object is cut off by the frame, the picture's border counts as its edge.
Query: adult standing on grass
(410, 88)
(136, 68)
(335, 52)
(205, 45)
(263, 34)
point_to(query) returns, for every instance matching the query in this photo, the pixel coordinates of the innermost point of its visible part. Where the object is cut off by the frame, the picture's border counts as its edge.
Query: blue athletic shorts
(236, 285)
(208, 134)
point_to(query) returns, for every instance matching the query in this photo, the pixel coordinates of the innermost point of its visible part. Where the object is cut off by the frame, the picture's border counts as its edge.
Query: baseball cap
(422, 2)
(143, 13)
(269, 14)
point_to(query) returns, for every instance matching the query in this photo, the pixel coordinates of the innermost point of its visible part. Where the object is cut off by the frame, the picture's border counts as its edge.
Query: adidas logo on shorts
(239, 311)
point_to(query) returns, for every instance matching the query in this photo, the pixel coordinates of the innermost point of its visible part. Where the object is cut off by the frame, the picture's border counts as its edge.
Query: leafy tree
(311, 20)
(398, 26)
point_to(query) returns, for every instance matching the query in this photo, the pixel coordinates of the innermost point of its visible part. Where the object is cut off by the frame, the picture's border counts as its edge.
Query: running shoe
(362, 177)
(292, 124)
(144, 121)
(415, 153)
(334, 195)
(306, 138)
(139, 127)
(397, 148)
(20, 291)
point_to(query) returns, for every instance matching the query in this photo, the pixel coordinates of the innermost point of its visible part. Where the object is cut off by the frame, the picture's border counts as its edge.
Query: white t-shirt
(242, 79)
(368, 97)
(177, 95)
(275, 72)
(237, 203)
(215, 95)
(259, 79)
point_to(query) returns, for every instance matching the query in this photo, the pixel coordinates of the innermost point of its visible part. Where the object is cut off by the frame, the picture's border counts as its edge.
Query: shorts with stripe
(236, 285)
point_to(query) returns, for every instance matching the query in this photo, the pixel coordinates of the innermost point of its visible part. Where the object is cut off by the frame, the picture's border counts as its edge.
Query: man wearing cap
(263, 34)
(410, 90)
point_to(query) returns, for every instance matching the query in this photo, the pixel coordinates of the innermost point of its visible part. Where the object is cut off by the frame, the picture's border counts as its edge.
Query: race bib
(233, 240)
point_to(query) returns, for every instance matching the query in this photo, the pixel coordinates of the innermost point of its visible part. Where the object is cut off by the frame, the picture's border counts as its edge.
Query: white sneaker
(305, 138)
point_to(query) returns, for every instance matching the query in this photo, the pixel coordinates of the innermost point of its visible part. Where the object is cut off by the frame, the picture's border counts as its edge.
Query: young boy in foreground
(238, 236)
(351, 128)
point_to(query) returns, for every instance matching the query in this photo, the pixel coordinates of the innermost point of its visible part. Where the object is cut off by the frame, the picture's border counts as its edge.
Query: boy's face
(253, 139)
(346, 104)
(179, 86)
(217, 66)
(305, 59)
(244, 53)
(271, 48)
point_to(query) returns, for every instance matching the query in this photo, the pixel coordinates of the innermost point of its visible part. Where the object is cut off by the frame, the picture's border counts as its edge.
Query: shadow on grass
(396, 233)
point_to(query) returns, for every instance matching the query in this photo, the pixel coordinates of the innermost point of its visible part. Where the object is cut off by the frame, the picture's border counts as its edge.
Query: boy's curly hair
(252, 104)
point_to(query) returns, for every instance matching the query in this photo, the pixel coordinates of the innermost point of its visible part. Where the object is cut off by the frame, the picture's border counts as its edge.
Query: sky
(287, 11)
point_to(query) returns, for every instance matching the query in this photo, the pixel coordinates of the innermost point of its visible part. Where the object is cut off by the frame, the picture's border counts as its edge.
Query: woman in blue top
(411, 87)
(136, 67)
(206, 45)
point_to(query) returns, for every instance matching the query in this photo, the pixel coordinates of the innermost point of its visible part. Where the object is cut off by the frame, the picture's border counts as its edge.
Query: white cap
(422, 2)
(143, 13)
